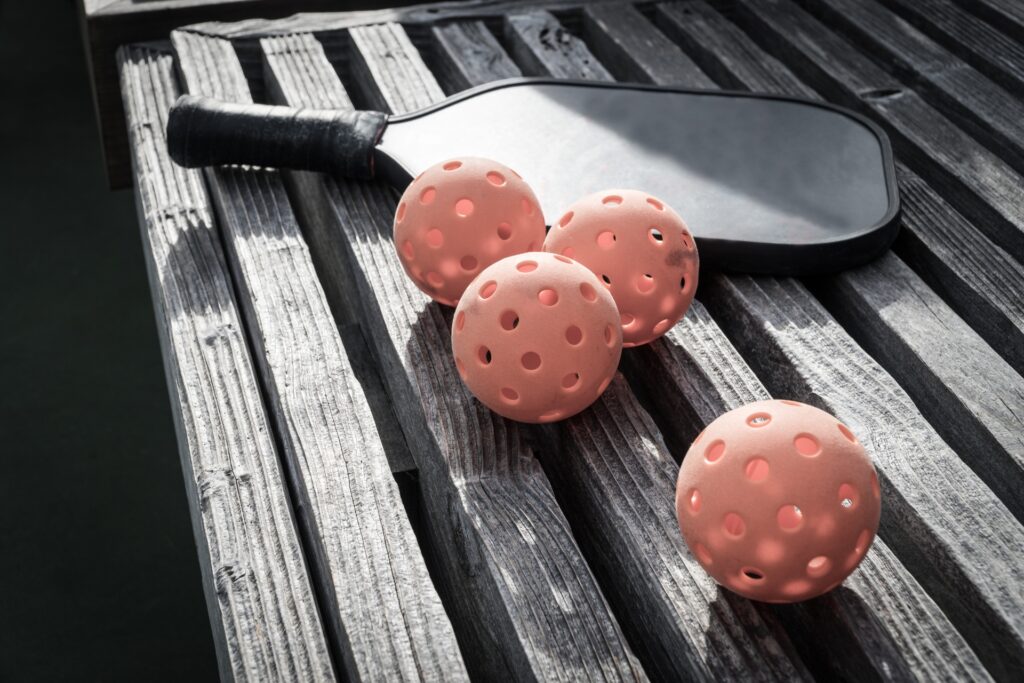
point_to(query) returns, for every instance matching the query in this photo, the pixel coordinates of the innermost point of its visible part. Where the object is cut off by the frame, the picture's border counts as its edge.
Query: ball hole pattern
(792, 403)
(461, 368)
(407, 249)
(682, 282)
(759, 419)
(756, 469)
(488, 289)
(714, 451)
(563, 259)
(435, 279)
(527, 206)
(628, 319)
(435, 238)
(509, 320)
(564, 220)
(460, 321)
(695, 501)
(464, 207)
(845, 431)
(504, 231)
(662, 326)
(547, 297)
(550, 416)
(509, 395)
(588, 292)
(848, 497)
(452, 165)
(819, 566)
(531, 360)
(609, 335)
(400, 215)
(806, 445)
(526, 266)
(752, 575)
(645, 283)
(702, 554)
(863, 541)
(496, 179)
(606, 239)
(733, 525)
(428, 195)
(569, 252)
(573, 335)
(468, 263)
(655, 203)
(571, 381)
(484, 354)
(607, 280)
(612, 200)
(789, 517)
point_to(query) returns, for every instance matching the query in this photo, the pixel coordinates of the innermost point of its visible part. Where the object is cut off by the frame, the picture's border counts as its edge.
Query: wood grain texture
(379, 602)
(979, 184)
(542, 47)
(486, 60)
(616, 482)
(977, 278)
(965, 389)
(974, 102)
(259, 595)
(880, 622)
(973, 40)
(1008, 15)
(619, 36)
(522, 597)
(900, 639)
(950, 530)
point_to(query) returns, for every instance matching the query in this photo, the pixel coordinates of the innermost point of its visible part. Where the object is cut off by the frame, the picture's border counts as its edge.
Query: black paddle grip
(207, 132)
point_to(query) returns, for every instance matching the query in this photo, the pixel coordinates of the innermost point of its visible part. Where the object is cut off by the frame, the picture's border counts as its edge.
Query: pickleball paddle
(767, 184)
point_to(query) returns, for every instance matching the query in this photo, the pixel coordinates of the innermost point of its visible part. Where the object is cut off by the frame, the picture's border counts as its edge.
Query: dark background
(99, 578)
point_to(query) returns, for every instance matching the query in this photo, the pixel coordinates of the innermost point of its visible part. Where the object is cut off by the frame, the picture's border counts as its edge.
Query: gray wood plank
(947, 528)
(619, 37)
(1007, 15)
(880, 622)
(966, 96)
(828, 368)
(468, 38)
(380, 604)
(979, 44)
(542, 47)
(888, 641)
(615, 480)
(977, 278)
(965, 389)
(978, 184)
(525, 603)
(259, 595)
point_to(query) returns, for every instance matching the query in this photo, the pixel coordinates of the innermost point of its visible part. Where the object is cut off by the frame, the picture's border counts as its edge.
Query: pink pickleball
(778, 501)
(460, 216)
(641, 249)
(536, 337)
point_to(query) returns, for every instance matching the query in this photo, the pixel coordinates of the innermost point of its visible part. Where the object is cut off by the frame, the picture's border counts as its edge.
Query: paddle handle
(206, 132)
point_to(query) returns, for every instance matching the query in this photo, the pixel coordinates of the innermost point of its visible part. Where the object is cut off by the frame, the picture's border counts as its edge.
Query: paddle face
(766, 184)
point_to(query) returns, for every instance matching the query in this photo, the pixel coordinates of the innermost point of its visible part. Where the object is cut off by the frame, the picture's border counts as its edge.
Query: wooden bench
(360, 516)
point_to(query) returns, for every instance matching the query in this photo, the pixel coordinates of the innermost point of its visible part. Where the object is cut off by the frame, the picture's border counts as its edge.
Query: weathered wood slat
(259, 595)
(880, 622)
(616, 482)
(957, 380)
(978, 105)
(979, 184)
(617, 33)
(542, 47)
(950, 530)
(1008, 15)
(468, 38)
(523, 599)
(380, 605)
(905, 632)
(978, 279)
(823, 366)
(979, 44)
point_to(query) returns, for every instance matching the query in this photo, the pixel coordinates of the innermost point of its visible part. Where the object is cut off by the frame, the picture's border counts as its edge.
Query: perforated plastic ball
(536, 337)
(641, 249)
(778, 501)
(460, 216)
